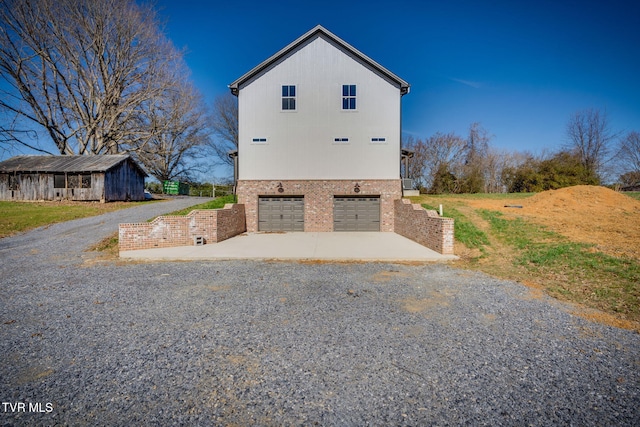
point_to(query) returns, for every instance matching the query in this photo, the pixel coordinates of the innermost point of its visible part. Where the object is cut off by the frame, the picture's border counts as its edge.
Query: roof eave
(23, 165)
(318, 29)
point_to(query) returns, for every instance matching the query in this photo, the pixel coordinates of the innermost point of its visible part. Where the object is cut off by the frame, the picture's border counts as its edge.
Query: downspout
(233, 154)
(235, 91)
(403, 91)
(400, 136)
(235, 173)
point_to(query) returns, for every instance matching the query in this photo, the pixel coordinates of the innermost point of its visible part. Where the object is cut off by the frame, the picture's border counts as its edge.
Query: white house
(319, 139)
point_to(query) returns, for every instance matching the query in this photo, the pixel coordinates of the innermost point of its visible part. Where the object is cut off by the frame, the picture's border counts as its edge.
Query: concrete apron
(336, 246)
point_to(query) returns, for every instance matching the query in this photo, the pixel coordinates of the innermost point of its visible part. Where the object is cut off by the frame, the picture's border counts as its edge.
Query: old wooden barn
(104, 178)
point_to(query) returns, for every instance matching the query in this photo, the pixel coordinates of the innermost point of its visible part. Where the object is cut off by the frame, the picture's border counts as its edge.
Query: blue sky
(519, 68)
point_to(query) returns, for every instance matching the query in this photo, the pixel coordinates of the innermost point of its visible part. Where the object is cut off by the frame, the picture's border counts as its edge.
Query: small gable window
(289, 97)
(348, 97)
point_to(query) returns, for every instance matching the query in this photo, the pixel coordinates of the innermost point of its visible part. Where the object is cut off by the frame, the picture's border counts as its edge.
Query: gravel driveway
(269, 343)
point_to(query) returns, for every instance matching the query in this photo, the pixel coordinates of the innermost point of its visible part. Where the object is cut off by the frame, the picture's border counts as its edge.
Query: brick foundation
(424, 226)
(318, 199)
(214, 225)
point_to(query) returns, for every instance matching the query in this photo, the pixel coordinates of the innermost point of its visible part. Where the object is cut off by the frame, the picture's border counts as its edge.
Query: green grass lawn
(16, 217)
(465, 231)
(216, 203)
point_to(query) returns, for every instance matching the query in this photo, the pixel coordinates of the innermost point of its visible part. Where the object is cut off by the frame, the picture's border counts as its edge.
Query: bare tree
(495, 162)
(81, 71)
(629, 153)
(590, 136)
(445, 148)
(430, 156)
(224, 123)
(179, 121)
(12, 138)
(441, 153)
(472, 173)
(477, 141)
(416, 164)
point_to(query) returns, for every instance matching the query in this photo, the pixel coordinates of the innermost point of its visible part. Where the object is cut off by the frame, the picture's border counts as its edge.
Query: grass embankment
(518, 249)
(216, 203)
(16, 217)
(571, 270)
(465, 231)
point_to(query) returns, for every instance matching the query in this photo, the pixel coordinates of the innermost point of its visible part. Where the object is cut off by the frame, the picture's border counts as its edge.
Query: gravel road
(65, 243)
(274, 343)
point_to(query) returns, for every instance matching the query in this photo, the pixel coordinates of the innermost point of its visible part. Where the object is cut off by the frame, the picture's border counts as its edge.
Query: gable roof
(52, 164)
(320, 31)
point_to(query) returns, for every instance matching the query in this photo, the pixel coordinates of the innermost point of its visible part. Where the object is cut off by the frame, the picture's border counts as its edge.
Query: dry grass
(578, 244)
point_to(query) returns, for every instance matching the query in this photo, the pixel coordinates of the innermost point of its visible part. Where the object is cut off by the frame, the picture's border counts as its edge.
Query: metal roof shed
(102, 178)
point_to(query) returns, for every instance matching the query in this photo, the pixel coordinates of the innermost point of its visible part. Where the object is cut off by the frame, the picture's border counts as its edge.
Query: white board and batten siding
(301, 144)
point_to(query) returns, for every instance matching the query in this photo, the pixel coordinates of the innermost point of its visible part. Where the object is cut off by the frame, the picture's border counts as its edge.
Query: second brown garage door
(356, 213)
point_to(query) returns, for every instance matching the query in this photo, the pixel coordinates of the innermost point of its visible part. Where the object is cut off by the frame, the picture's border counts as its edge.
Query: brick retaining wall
(214, 225)
(424, 226)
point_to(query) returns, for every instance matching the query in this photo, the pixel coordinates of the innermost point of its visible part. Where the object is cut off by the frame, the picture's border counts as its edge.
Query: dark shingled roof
(52, 164)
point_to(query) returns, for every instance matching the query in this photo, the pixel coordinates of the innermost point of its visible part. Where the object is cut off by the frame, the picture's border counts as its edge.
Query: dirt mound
(584, 213)
(581, 197)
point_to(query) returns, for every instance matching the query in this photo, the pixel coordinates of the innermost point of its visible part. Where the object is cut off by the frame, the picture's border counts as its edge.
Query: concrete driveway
(347, 246)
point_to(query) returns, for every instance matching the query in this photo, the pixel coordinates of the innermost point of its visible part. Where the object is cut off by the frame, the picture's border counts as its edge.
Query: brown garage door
(356, 213)
(280, 213)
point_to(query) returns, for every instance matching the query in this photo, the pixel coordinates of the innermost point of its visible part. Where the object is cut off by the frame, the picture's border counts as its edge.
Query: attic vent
(341, 140)
(378, 139)
(259, 140)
